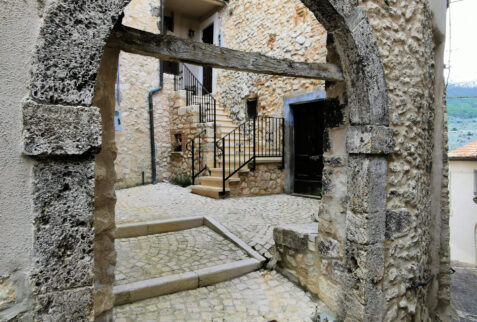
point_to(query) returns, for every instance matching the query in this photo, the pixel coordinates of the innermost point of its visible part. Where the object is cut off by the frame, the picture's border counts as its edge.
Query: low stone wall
(266, 179)
(296, 249)
(308, 261)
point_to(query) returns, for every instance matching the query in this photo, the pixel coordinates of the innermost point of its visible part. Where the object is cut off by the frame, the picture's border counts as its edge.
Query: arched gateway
(74, 229)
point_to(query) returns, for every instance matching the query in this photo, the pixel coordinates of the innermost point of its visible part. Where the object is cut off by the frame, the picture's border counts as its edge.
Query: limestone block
(398, 223)
(70, 48)
(369, 139)
(8, 293)
(366, 261)
(60, 130)
(295, 236)
(71, 305)
(63, 197)
(329, 248)
(367, 184)
(365, 228)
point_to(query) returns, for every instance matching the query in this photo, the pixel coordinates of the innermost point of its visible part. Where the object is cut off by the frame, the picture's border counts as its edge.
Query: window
(171, 68)
(252, 108)
(178, 142)
(169, 23)
(117, 120)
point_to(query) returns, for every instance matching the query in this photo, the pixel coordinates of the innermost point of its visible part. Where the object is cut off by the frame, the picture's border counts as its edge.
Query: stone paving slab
(464, 294)
(252, 219)
(258, 296)
(147, 257)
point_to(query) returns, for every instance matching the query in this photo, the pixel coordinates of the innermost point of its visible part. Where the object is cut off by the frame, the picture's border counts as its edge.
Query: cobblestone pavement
(464, 294)
(152, 256)
(252, 219)
(258, 296)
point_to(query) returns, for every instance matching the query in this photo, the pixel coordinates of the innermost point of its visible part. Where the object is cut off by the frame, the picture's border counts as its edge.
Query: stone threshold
(137, 291)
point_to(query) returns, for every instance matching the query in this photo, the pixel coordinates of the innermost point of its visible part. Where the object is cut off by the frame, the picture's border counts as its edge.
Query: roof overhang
(195, 9)
(463, 158)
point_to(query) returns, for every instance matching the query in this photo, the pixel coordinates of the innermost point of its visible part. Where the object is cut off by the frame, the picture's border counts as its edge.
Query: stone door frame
(63, 132)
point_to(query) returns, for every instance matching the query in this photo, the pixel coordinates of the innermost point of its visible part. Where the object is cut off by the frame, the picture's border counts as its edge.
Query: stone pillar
(105, 198)
(63, 140)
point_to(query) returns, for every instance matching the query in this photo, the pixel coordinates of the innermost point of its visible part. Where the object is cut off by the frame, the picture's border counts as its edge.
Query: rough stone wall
(279, 28)
(163, 102)
(266, 179)
(185, 121)
(137, 76)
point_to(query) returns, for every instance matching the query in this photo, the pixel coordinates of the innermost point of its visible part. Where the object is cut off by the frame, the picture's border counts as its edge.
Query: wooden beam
(186, 51)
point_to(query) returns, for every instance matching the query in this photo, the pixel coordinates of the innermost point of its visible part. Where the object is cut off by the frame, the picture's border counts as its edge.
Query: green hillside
(462, 115)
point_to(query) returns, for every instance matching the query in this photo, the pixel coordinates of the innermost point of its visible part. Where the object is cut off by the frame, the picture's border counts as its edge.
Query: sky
(462, 27)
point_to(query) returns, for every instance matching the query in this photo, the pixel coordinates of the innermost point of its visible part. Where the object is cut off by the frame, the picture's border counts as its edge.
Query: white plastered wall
(463, 212)
(18, 33)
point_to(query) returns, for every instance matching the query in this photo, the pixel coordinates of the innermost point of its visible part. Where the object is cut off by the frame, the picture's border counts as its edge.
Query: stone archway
(73, 231)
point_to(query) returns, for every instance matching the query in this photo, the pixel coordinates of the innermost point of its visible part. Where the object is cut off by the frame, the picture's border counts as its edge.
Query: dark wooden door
(309, 128)
(208, 38)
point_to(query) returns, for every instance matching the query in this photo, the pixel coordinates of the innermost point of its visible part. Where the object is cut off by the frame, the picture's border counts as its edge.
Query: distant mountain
(465, 84)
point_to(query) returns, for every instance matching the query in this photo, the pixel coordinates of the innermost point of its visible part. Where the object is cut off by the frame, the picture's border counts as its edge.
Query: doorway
(207, 38)
(308, 148)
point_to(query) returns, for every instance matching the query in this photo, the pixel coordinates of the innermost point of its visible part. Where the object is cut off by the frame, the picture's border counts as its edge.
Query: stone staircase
(239, 146)
(238, 151)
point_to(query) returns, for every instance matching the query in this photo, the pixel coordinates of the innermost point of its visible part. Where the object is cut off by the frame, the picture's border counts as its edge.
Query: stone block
(363, 228)
(63, 198)
(367, 180)
(398, 223)
(295, 236)
(72, 305)
(60, 130)
(8, 293)
(366, 262)
(334, 161)
(329, 248)
(369, 139)
(70, 48)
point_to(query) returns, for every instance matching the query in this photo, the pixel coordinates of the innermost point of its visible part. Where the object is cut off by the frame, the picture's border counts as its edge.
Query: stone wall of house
(185, 122)
(136, 77)
(278, 28)
(266, 179)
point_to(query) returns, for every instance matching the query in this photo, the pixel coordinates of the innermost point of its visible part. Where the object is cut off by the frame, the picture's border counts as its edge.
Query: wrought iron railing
(255, 138)
(198, 160)
(196, 94)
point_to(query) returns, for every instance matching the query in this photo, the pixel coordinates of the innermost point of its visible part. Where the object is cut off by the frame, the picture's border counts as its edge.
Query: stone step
(217, 172)
(217, 181)
(212, 192)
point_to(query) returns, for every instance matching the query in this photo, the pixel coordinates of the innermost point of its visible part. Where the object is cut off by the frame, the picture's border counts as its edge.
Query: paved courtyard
(258, 296)
(464, 294)
(152, 256)
(252, 219)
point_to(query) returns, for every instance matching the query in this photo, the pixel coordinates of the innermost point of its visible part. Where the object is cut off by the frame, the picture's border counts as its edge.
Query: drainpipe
(151, 133)
(151, 106)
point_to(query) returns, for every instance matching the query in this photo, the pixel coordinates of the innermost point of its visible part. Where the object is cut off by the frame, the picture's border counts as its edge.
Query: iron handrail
(197, 94)
(255, 138)
(190, 146)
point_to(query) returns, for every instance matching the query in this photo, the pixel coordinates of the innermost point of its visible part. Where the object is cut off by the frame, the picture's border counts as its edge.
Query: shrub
(182, 180)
